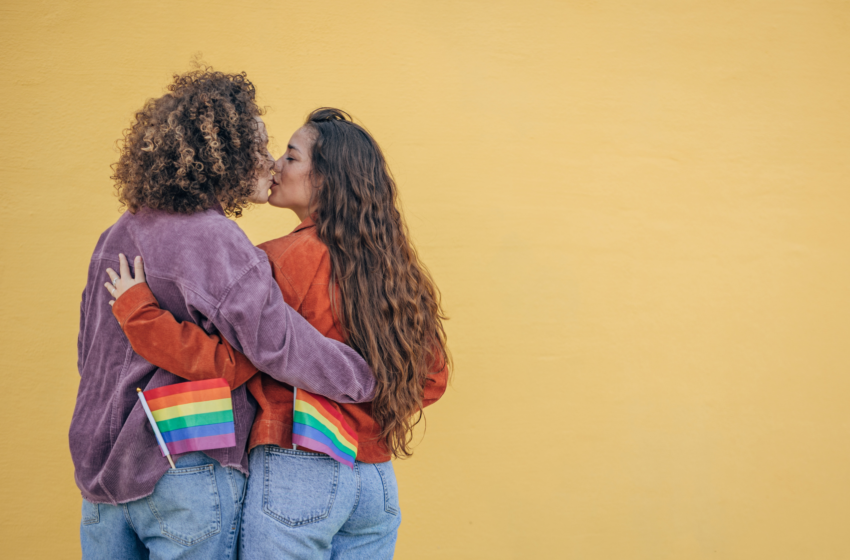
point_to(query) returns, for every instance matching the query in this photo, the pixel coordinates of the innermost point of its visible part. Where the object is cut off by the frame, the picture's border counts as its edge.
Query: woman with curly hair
(351, 271)
(191, 157)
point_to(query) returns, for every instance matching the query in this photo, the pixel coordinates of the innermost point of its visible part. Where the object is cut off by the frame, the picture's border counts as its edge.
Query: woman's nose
(278, 166)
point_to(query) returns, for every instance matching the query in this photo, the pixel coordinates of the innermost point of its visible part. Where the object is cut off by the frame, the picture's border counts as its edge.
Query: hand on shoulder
(120, 284)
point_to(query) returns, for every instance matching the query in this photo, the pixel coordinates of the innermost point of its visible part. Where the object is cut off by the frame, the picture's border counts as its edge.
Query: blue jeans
(305, 505)
(194, 512)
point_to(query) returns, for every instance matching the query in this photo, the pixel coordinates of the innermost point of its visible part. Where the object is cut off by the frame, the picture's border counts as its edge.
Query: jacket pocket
(299, 488)
(186, 504)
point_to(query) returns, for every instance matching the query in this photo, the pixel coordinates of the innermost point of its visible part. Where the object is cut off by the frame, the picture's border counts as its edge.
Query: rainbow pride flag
(193, 416)
(319, 426)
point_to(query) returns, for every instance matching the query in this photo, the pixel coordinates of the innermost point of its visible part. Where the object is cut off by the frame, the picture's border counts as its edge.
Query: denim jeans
(304, 505)
(194, 512)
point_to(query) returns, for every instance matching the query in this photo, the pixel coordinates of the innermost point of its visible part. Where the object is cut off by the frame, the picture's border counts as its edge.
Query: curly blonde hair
(196, 146)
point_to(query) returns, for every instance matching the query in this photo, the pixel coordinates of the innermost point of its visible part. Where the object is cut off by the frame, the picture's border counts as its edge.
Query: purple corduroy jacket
(203, 269)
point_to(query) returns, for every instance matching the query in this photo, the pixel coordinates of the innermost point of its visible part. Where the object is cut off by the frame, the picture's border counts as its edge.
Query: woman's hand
(121, 284)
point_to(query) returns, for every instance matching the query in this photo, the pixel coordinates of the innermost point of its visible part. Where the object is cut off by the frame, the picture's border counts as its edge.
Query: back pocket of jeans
(91, 513)
(388, 481)
(299, 488)
(186, 504)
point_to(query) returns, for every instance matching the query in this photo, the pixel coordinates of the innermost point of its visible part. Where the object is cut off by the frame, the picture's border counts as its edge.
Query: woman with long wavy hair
(349, 268)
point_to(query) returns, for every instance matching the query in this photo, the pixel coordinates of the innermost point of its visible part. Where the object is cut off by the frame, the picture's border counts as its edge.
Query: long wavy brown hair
(195, 146)
(388, 305)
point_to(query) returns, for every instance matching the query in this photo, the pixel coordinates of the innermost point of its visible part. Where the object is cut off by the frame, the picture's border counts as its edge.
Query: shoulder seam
(207, 297)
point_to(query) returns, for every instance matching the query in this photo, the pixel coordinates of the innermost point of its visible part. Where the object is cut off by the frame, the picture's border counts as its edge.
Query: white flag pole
(158, 435)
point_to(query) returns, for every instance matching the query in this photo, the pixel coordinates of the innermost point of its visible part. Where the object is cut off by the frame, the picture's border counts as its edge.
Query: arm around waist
(184, 349)
(255, 320)
(282, 344)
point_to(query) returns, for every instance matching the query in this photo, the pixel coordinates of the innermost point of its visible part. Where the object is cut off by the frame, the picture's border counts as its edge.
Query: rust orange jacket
(302, 268)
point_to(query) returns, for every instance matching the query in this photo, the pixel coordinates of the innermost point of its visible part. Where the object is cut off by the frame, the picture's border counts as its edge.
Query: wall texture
(637, 213)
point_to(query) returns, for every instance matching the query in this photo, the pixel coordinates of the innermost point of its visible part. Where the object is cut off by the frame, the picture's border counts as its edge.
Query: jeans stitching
(125, 509)
(229, 471)
(387, 507)
(267, 451)
(188, 470)
(92, 520)
(237, 499)
(357, 496)
(244, 518)
(297, 452)
(233, 534)
(208, 534)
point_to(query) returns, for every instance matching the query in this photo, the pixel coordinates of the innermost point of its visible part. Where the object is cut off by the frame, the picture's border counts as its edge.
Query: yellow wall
(637, 213)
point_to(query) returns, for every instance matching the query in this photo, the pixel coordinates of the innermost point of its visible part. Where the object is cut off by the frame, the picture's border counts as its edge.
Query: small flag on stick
(319, 426)
(158, 435)
(192, 416)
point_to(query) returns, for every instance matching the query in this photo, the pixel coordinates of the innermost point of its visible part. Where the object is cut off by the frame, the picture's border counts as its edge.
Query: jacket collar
(307, 223)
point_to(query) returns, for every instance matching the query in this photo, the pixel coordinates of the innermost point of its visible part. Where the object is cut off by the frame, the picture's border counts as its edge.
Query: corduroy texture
(202, 268)
(301, 267)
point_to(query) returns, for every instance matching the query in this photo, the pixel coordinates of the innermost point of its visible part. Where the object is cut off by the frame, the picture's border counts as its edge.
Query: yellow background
(637, 213)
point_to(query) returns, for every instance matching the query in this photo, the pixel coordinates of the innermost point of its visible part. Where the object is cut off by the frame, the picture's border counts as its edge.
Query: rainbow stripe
(193, 416)
(319, 426)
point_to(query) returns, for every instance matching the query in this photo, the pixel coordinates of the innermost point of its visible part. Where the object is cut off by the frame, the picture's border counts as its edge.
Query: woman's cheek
(277, 198)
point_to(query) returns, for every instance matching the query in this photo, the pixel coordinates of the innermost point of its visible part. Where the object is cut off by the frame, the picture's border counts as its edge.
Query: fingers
(140, 269)
(125, 267)
(109, 288)
(111, 302)
(122, 283)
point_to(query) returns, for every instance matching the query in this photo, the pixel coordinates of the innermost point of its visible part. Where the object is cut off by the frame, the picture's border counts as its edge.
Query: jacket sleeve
(184, 349)
(282, 344)
(435, 387)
